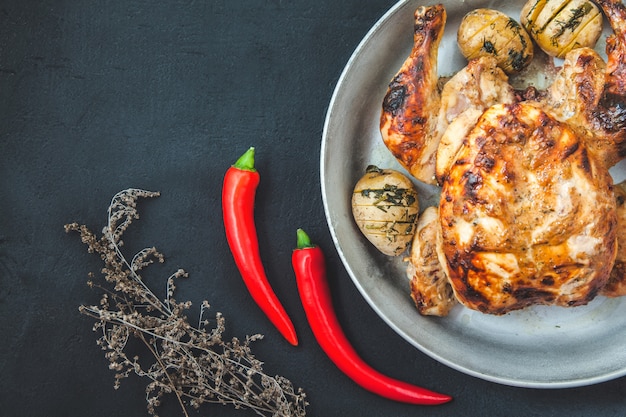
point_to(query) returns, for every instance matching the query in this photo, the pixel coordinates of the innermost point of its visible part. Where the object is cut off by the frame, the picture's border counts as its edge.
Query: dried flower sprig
(193, 363)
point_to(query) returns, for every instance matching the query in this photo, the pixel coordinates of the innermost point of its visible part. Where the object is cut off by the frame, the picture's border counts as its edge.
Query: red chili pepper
(238, 194)
(310, 269)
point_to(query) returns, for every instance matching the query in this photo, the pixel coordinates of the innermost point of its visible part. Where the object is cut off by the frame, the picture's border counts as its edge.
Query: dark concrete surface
(98, 96)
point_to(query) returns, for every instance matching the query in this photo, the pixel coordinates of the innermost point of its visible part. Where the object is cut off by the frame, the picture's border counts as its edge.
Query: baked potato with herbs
(490, 32)
(385, 208)
(558, 26)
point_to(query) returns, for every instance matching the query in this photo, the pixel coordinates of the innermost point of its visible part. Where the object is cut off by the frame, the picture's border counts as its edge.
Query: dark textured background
(98, 96)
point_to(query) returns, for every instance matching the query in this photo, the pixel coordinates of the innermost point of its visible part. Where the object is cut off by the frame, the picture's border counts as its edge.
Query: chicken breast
(430, 289)
(527, 214)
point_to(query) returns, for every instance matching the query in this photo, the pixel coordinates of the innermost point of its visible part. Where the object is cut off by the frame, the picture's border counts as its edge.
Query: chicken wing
(616, 286)
(430, 289)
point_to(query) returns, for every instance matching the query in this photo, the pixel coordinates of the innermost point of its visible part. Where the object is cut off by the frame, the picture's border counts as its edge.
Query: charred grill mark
(434, 32)
(591, 294)
(511, 122)
(481, 140)
(419, 120)
(507, 174)
(417, 69)
(408, 148)
(585, 164)
(585, 84)
(476, 297)
(461, 264)
(475, 246)
(611, 112)
(395, 97)
(570, 150)
(463, 268)
(422, 21)
(565, 268)
(530, 294)
(484, 161)
(472, 183)
(428, 21)
(586, 91)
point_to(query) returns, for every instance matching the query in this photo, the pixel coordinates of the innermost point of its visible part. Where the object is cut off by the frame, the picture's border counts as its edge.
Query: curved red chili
(310, 269)
(238, 195)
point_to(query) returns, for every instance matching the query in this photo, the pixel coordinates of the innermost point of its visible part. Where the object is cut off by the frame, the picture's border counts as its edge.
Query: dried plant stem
(195, 364)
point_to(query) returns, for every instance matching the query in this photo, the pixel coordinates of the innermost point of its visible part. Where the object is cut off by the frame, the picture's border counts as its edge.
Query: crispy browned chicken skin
(409, 120)
(421, 124)
(616, 286)
(527, 214)
(464, 97)
(430, 288)
(590, 95)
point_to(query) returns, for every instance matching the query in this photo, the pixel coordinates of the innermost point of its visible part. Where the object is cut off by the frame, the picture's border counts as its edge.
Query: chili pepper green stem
(303, 240)
(246, 161)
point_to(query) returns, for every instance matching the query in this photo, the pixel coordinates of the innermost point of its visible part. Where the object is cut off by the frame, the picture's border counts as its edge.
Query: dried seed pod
(385, 208)
(558, 26)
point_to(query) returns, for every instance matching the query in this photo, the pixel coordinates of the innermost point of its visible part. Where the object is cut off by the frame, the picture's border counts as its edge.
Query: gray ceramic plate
(541, 347)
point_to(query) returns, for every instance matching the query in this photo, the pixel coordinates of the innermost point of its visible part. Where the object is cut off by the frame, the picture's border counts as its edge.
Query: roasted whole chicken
(528, 211)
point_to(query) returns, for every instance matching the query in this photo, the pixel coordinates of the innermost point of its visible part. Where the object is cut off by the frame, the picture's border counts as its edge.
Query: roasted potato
(490, 32)
(558, 26)
(385, 208)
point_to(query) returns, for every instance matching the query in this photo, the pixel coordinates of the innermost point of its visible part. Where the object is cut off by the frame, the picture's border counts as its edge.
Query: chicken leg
(422, 125)
(409, 122)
